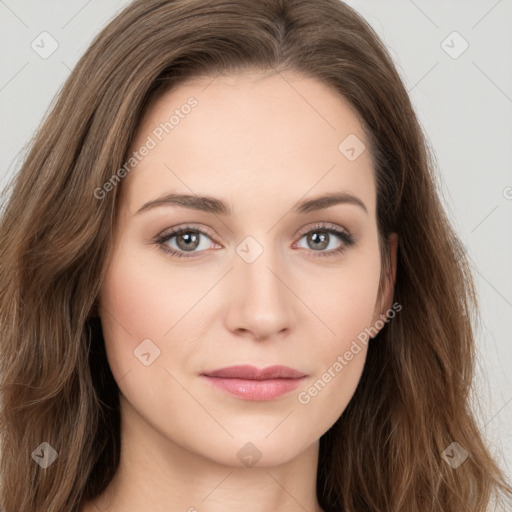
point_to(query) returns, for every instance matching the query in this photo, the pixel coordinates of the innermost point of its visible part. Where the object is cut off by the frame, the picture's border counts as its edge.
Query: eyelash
(347, 239)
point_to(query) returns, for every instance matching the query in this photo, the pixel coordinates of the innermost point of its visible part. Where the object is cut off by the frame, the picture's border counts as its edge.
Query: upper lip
(252, 373)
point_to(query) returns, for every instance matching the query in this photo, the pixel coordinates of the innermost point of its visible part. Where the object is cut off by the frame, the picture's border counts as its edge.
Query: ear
(387, 286)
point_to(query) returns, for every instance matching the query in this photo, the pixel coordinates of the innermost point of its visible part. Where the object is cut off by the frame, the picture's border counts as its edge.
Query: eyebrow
(216, 206)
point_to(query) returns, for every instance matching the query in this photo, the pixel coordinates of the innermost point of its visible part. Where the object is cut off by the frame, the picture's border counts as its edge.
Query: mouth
(250, 383)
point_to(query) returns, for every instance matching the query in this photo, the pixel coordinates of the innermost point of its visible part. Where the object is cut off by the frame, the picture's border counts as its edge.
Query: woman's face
(256, 279)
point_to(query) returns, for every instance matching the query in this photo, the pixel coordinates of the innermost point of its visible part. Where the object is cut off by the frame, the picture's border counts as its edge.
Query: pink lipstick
(251, 383)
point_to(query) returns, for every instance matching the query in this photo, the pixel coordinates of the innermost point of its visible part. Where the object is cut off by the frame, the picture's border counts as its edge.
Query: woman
(228, 282)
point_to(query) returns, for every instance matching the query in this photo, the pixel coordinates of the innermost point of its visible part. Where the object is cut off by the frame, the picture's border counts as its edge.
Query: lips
(248, 372)
(250, 383)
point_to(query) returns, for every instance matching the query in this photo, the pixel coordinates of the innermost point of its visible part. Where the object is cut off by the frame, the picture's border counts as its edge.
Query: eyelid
(206, 231)
(324, 226)
(188, 227)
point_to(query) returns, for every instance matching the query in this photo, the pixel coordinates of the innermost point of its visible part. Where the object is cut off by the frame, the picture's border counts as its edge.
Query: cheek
(134, 306)
(143, 297)
(345, 301)
(345, 304)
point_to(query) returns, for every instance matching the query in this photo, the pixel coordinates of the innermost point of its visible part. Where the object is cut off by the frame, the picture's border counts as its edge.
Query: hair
(384, 453)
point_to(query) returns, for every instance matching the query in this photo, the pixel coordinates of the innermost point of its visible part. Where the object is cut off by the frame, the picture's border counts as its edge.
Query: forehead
(275, 135)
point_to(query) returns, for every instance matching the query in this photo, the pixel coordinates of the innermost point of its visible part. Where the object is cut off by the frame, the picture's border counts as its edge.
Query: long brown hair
(385, 452)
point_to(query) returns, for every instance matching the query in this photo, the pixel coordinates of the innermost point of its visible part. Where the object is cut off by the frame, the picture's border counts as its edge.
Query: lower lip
(255, 389)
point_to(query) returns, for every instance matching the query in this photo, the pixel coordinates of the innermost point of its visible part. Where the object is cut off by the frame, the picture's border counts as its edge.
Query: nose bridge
(260, 300)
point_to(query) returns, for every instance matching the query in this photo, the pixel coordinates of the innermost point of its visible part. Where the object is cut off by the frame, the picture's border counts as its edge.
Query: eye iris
(323, 238)
(192, 238)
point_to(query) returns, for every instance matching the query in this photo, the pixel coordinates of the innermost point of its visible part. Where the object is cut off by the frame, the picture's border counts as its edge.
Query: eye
(187, 240)
(321, 236)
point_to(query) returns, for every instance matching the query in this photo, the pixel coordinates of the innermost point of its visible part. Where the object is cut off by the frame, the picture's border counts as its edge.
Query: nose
(260, 303)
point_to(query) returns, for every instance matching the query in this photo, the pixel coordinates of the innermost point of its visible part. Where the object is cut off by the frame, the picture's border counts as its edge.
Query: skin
(261, 143)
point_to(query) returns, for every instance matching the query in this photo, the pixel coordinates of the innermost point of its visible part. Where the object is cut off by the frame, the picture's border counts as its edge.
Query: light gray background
(464, 105)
